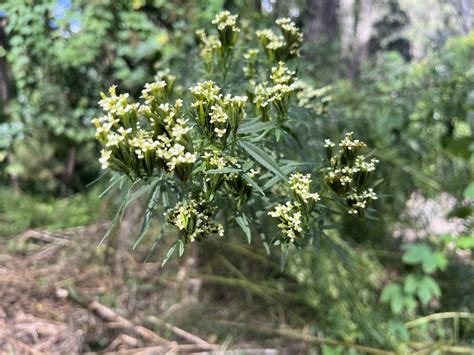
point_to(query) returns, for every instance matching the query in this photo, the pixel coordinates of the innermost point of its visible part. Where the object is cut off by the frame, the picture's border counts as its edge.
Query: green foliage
(422, 254)
(195, 150)
(417, 284)
(19, 212)
(60, 55)
(344, 301)
(258, 168)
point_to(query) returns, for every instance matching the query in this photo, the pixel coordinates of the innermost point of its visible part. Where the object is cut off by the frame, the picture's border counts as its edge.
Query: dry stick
(442, 347)
(110, 316)
(43, 236)
(439, 316)
(184, 334)
(173, 348)
(22, 346)
(293, 334)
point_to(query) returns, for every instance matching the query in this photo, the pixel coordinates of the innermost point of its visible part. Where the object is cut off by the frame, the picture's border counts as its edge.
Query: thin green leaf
(243, 223)
(169, 253)
(284, 256)
(153, 247)
(119, 215)
(264, 243)
(252, 127)
(181, 248)
(263, 158)
(222, 171)
(252, 183)
(152, 203)
(339, 251)
(286, 170)
(113, 181)
(100, 177)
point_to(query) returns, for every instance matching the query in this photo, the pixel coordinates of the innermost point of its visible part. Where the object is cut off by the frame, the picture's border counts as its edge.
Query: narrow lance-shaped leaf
(253, 183)
(153, 247)
(181, 247)
(169, 253)
(243, 223)
(119, 215)
(339, 251)
(128, 198)
(256, 127)
(222, 171)
(113, 181)
(263, 158)
(148, 214)
(284, 256)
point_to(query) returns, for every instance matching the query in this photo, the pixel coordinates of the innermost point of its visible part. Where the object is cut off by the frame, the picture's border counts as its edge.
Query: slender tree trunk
(5, 90)
(464, 9)
(321, 20)
(357, 20)
(4, 83)
(70, 168)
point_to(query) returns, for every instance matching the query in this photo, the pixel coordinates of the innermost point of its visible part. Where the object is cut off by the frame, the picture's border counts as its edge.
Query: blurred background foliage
(399, 73)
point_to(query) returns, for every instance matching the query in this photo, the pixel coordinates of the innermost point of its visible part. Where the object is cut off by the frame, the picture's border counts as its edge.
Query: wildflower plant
(217, 155)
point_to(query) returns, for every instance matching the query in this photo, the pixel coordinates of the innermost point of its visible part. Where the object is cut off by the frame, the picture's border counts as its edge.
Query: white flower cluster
(300, 184)
(283, 46)
(289, 26)
(154, 92)
(216, 49)
(281, 75)
(290, 220)
(348, 173)
(293, 36)
(234, 183)
(250, 67)
(134, 150)
(224, 20)
(215, 114)
(291, 214)
(278, 95)
(358, 201)
(216, 160)
(270, 40)
(193, 217)
(218, 119)
(210, 46)
(312, 98)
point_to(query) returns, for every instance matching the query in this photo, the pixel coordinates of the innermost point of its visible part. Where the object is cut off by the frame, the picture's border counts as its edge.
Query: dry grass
(61, 294)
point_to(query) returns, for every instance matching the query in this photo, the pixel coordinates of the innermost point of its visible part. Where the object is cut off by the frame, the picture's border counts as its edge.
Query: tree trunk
(4, 83)
(70, 169)
(321, 20)
(357, 21)
(464, 9)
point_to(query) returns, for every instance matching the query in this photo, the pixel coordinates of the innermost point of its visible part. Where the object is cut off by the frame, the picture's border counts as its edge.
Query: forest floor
(61, 293)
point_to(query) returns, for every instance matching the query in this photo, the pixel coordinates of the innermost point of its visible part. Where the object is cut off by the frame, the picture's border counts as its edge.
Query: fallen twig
(25, 349)
(439, 316)
(298, 335)
(110, 316)
(43, 236)
(184, 334)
